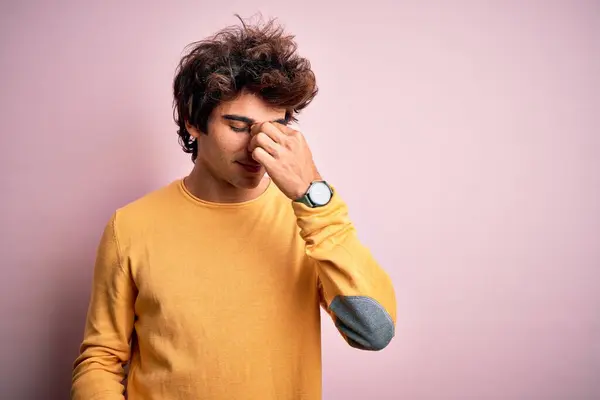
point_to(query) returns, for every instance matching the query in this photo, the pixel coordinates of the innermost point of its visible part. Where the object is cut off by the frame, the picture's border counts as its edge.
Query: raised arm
(356, 291)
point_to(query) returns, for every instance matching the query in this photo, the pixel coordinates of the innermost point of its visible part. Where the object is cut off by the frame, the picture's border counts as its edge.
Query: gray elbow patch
(364, 322)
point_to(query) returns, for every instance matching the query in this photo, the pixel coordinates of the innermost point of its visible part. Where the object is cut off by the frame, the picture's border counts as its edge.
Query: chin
(247, 182)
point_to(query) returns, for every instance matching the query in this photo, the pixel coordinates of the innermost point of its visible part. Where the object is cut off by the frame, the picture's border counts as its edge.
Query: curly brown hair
(260, 59)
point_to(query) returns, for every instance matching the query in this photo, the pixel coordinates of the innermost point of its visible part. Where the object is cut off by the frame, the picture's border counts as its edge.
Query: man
(210, 287)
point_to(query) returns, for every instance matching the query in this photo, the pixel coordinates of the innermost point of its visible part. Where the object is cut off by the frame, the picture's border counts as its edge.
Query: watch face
(319, 193)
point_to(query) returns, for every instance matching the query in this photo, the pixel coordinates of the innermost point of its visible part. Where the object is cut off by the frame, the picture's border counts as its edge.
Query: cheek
(235, 144)
(223, 144)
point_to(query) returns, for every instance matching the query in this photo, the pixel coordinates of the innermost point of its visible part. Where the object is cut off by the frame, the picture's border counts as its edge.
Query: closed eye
(236, 129)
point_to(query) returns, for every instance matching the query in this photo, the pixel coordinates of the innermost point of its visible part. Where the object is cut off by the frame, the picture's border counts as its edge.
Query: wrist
(303, 187)
(318, 194)
(300, 191)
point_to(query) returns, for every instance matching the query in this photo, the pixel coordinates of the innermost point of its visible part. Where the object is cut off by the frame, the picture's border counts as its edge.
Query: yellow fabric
(218, 301)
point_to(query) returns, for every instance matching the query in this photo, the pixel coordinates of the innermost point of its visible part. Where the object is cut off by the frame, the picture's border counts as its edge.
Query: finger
(252, 144)
(285, 129)
(257, 127)
(254, 141)
(264, 141)
(270, 130)
(260, 155)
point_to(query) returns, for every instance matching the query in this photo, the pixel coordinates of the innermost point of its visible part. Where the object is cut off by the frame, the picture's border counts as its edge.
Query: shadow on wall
(61, 254)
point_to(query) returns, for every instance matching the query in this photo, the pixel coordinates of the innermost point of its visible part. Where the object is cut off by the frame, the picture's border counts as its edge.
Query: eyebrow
(250, 121)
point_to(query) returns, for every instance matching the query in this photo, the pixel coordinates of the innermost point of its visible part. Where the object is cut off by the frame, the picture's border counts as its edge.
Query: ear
(193, 131)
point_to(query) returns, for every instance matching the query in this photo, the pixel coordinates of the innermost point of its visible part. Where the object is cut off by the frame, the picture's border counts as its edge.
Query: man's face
(224, 150)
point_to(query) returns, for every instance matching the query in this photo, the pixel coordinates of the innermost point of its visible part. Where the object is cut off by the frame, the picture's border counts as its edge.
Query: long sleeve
(356, 292)
(98, 371)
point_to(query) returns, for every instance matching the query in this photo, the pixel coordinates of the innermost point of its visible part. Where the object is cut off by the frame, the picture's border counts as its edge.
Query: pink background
(465, 138)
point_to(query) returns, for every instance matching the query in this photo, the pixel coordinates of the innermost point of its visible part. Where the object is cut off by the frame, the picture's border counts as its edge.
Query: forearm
(355, 290)
(97, 378)
(98, 370)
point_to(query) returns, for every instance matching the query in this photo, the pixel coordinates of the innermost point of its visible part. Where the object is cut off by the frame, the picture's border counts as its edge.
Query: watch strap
(305, 199)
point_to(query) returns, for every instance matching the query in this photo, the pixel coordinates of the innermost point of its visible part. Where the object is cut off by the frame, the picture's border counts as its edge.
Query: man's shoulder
(153, 203)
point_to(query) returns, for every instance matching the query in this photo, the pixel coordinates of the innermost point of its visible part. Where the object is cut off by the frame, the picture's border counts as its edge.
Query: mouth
(253, 168)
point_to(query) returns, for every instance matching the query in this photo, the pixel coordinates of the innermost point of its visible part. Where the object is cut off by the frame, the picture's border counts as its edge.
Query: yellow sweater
(221, 301)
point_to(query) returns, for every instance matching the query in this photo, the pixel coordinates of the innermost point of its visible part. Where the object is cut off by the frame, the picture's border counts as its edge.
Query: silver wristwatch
(319, 193)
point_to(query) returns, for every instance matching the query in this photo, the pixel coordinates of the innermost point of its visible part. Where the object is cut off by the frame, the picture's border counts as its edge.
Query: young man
(210, 288)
